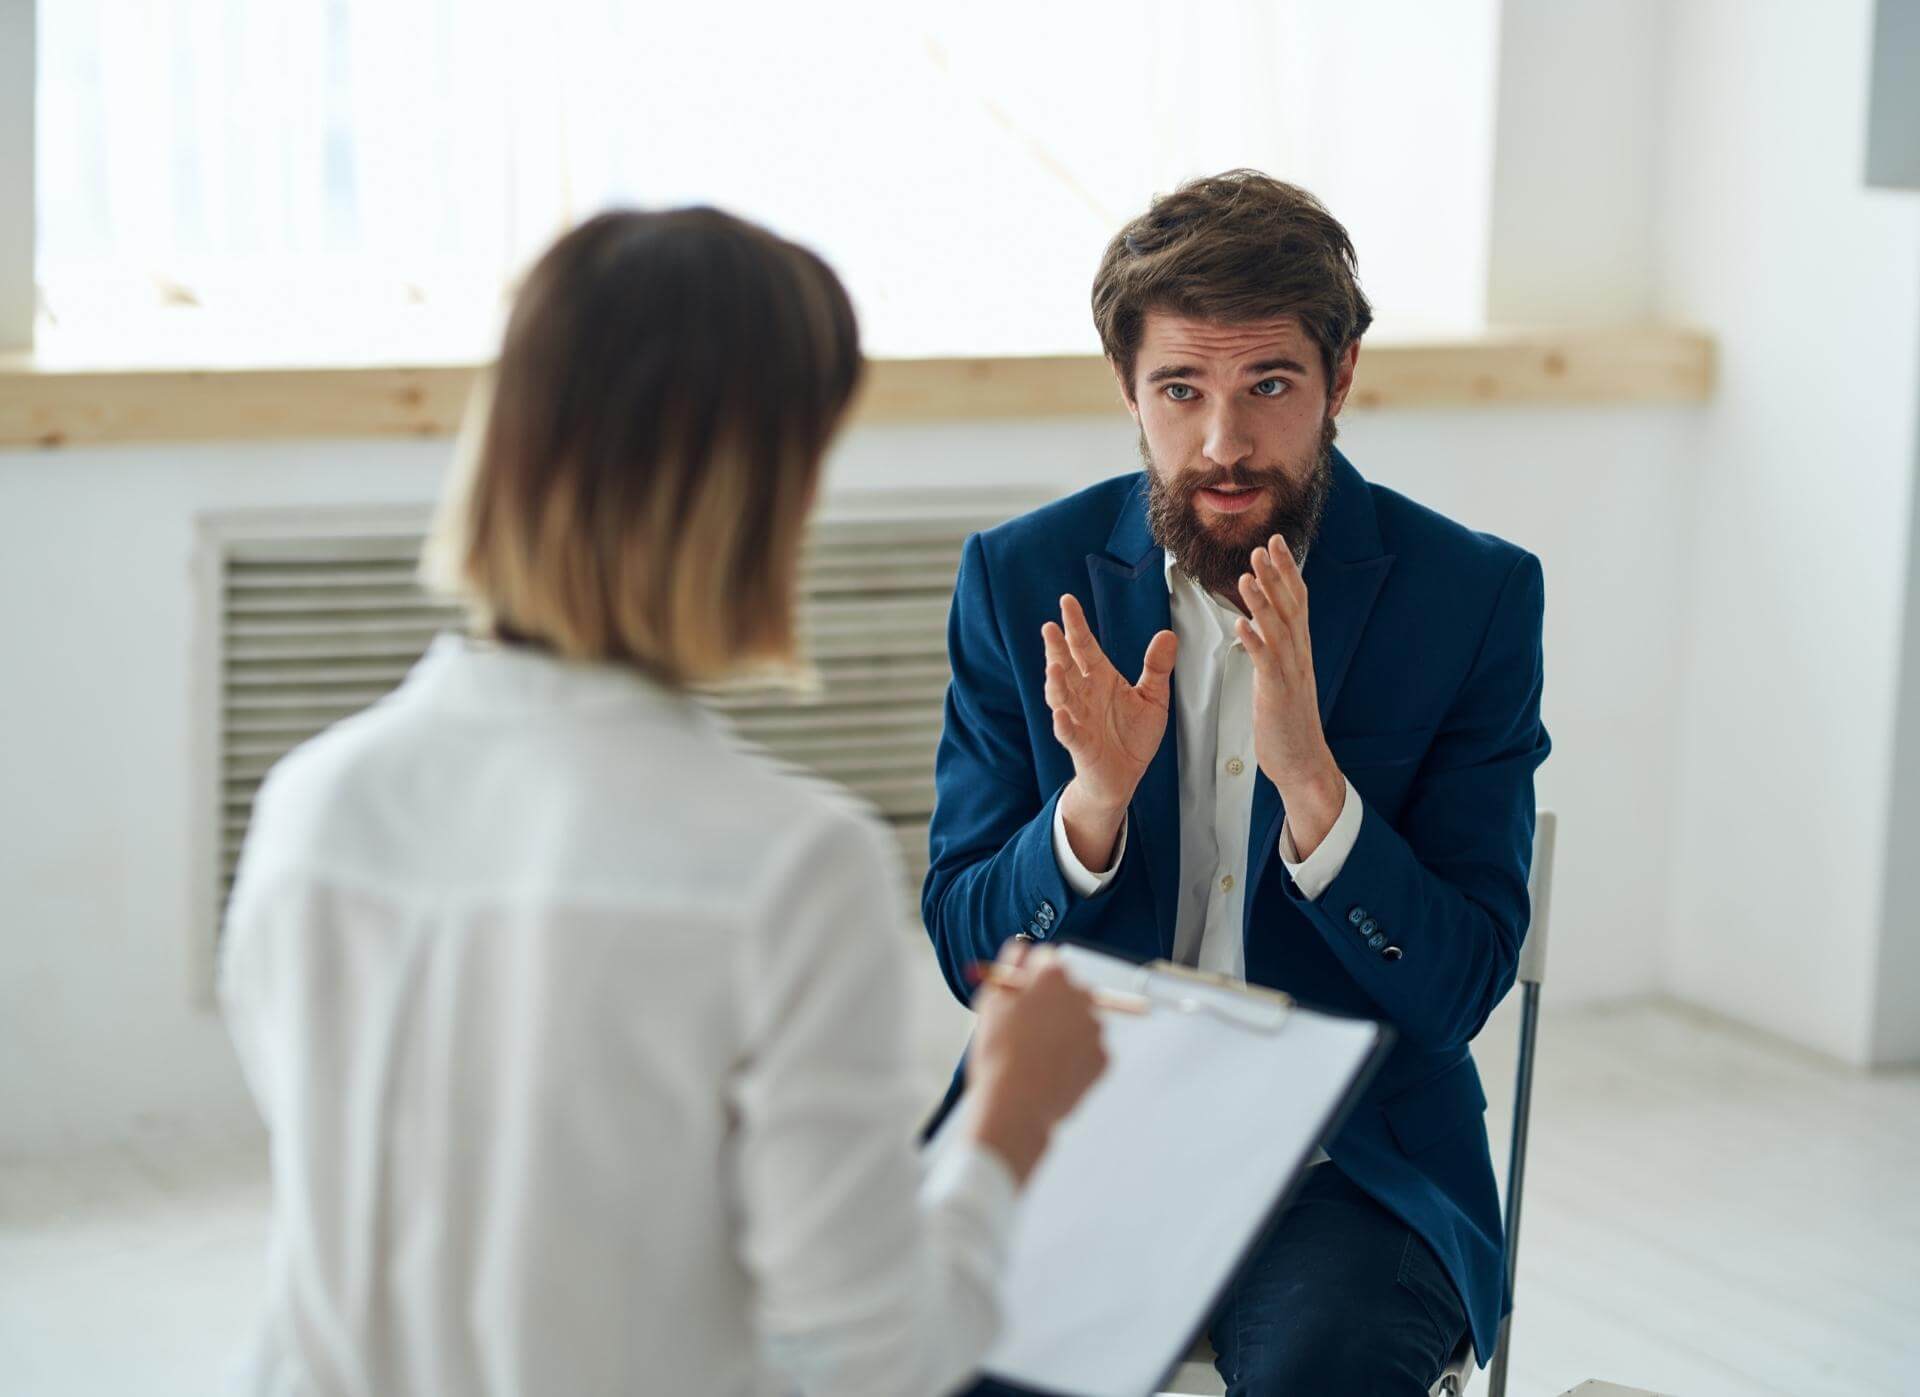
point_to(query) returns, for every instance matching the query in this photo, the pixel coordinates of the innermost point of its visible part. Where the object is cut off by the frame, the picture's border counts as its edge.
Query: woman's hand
(1035, 1052)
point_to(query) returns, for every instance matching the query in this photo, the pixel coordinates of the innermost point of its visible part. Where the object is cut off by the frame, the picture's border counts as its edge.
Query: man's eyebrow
(1265, 366)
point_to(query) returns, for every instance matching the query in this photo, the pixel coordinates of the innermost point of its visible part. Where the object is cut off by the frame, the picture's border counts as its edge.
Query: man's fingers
(1255, 601)
(1064, 703)
(1065, 730)
(1260, 609)
(1280, 558)
(1059, 691)
(1277, 647)
(1085, 649)
(1288, 596)
(1285, 593)
(1072, 681)
(1156, 670)
(1279, 595)
(1055, 641)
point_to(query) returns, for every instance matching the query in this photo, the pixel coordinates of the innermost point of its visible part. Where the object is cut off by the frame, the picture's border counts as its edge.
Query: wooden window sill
(54, 404)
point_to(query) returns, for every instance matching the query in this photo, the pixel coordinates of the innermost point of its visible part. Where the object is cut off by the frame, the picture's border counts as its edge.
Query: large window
(351, 165)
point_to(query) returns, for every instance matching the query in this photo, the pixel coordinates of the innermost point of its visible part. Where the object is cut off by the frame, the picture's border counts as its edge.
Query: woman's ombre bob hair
(636, 471)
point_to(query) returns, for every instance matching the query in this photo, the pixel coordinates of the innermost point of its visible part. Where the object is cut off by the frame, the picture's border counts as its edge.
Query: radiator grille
(314, 626)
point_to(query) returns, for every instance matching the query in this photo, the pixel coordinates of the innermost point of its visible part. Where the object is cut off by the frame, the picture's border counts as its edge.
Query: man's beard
(1215, 555)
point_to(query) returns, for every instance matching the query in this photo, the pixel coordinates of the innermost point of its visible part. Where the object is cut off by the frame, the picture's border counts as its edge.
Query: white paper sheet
(1157, 1183)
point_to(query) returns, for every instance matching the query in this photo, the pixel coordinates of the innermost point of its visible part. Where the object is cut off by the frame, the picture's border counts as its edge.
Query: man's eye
(1270, 387)
(1179, 392)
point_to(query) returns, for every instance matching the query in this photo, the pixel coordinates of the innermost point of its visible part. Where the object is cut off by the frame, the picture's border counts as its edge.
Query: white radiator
(310, 617)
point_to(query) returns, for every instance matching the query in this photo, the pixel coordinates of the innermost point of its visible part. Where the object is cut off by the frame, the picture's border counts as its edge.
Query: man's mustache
(1236, 478)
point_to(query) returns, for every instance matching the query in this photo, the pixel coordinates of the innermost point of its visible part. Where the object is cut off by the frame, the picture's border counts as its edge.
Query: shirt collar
(1179, 585)
(1182, 588)
(466, 672)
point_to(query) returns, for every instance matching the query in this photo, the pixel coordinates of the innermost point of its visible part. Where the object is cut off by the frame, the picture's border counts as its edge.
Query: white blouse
(579, 1030)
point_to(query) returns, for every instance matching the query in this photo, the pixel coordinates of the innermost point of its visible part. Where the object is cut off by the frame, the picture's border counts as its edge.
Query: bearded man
(1320, 781)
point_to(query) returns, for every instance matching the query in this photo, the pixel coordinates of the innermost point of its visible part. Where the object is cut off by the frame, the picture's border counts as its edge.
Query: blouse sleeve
(870, 1277)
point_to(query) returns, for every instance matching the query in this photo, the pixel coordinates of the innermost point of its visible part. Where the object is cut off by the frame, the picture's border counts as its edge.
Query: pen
(1117, 1001)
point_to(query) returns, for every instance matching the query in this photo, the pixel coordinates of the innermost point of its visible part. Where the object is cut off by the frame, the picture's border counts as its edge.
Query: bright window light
(324, 172)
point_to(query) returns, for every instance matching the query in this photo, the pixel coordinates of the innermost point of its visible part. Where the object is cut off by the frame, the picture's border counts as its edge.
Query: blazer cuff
(1352, 908)
(1044, 899)
(1314, 874)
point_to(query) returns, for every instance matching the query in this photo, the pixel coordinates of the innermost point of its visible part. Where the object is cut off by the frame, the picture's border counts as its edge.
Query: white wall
(1600, 495)
(1389, 114)
(1581, 92)
(98, 1034)
(1799, 549)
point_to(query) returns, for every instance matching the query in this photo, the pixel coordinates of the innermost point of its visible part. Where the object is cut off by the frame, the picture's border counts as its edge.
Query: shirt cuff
(1083, 882)
(1315, 874)
(967, 1169)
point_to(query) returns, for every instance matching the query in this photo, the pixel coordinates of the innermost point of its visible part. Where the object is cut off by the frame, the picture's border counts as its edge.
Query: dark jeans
(1339, 1297)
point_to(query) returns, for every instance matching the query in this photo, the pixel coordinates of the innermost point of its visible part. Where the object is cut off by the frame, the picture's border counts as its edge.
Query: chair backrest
(1533, 951)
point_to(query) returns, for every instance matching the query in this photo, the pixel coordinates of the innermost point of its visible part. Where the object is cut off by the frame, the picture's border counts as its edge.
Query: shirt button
(1357, 915)
(1369, 926)
(1226, 884)
(1235, 766)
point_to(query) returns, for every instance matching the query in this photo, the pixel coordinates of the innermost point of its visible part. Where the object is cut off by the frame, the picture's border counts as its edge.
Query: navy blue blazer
(1427, 654)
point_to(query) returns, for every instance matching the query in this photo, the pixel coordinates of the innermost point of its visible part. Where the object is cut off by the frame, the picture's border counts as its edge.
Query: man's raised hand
(1109, 727)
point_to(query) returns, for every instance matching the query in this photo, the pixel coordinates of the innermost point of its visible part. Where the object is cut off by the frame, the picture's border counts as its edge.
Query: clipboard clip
(1252, 1007)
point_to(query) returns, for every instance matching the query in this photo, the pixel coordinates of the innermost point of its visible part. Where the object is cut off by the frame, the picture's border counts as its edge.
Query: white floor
(1708, 1213)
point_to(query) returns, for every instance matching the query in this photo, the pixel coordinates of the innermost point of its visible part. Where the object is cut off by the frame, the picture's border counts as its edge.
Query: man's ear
(1343, 379)
(1126, 389)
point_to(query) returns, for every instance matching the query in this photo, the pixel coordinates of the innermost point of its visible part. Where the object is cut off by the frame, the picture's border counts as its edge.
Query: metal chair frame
(1531, 975)
(1197, 1375)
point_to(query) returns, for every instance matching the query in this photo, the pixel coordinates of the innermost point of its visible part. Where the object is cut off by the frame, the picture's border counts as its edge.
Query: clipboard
(1159, 1185)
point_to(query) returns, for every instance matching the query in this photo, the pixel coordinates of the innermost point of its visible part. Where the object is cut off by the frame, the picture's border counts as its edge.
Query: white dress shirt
(579, 1030)
(1213, 723)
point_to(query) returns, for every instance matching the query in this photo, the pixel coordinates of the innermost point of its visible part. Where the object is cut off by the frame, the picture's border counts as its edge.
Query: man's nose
(1227, 442)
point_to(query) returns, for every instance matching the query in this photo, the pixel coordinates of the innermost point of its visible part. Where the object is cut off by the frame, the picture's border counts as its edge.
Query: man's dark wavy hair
(1233, 247)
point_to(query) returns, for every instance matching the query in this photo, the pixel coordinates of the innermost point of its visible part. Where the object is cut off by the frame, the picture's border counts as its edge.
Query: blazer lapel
(1344, 573)
(1130, 606)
